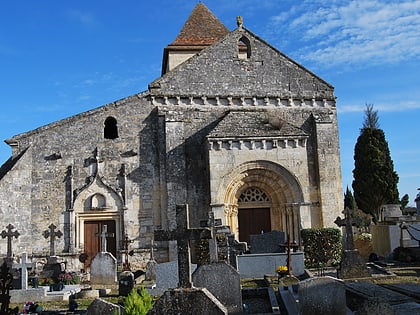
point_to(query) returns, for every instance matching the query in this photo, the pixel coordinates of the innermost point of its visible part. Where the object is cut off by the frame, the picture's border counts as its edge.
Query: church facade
(232, 126)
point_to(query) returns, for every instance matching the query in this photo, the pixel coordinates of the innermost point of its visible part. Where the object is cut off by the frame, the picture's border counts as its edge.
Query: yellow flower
(281, 269)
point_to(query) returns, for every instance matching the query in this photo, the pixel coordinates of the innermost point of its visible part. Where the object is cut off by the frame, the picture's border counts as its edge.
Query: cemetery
(271, 275)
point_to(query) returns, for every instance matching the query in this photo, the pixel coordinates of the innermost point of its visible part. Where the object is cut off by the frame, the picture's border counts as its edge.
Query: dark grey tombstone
(352, 265)
(125, 283)
(268, 242)
(323, 295)
(191, 301)
(223, 281)
(102, 307)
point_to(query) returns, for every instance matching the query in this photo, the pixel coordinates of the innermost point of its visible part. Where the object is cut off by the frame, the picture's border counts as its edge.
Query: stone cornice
(242, 101)
(268, 143)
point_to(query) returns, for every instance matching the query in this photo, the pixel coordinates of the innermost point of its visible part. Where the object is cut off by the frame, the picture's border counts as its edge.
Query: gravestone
(103, 268)
(52, 234)
(151, 266)
(102, 307)
(352, 264)
(191, 301)
(268, 242)
(186, 299)
(323, 295)
(9, 234)
(223, 281)
(167, 274)
(23, 265)
(183, 234)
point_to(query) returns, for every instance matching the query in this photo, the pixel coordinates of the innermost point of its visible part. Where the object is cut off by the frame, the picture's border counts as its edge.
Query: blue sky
(60, 58)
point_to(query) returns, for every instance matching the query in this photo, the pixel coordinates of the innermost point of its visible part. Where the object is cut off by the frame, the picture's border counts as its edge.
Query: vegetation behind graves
(322, 247)
(138, 302)
(375, 181)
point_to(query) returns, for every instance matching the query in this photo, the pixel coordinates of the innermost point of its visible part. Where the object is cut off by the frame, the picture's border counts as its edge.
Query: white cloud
(353, 32)
(399, 107)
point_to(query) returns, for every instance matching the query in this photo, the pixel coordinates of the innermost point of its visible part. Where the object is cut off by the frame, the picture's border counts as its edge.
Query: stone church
(232, 126)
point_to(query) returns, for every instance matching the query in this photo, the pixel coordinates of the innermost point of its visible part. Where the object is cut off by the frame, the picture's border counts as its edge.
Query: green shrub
(322, 247)
(138, 302)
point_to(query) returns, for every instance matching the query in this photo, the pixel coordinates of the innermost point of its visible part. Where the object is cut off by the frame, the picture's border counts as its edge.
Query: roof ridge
(201, 28)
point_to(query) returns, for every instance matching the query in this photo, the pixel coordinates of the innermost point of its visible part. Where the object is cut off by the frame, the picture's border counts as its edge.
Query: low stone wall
(257, 265)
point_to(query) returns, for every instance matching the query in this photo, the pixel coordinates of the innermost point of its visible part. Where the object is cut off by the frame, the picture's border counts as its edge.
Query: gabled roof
(219, 71)
(254, 124)
(201, 28)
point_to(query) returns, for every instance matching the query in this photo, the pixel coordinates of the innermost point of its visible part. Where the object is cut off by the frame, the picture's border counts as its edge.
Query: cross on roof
(103, 235)
(9, 234)
(52, 235)
(183, 234)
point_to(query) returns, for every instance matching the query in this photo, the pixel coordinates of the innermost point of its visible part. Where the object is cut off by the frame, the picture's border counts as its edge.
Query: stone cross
(126, 264)
(52, 235)
(183, 234)
(24, 265)
(103, 235)
(348, 222)
(9, 234)
(213, 241)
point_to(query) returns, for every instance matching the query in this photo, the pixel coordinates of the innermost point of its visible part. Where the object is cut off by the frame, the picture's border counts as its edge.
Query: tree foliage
(322, 246)
(349, 201)
(404, 201)
(374, 179)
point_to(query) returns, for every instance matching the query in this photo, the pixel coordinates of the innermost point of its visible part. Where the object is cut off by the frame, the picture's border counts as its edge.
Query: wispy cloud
(399, 107)
(84, 18)
(353, 32)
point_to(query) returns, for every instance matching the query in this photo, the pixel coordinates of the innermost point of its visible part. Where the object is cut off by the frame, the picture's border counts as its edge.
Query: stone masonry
(202, 134)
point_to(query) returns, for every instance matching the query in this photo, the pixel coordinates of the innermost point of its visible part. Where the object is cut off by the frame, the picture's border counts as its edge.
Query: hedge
(322, 247)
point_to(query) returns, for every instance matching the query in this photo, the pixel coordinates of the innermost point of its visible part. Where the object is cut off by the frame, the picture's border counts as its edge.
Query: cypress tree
(374, 179)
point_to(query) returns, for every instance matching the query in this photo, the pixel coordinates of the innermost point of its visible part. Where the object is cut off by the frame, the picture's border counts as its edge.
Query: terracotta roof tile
(201, 28)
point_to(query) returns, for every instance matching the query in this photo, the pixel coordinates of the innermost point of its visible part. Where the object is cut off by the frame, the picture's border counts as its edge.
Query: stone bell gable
(263, 73)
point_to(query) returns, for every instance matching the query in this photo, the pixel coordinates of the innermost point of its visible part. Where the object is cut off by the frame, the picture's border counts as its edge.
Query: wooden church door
(93, 242)
(253, 221)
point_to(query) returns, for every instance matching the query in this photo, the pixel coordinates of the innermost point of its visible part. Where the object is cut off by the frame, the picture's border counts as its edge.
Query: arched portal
(262, 194)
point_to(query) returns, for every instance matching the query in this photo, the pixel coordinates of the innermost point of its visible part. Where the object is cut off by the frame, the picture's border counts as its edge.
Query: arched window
(244, 48)
(111, 128)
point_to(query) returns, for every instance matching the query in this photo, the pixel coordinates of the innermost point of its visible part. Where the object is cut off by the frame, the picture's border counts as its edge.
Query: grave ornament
(126, 243)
